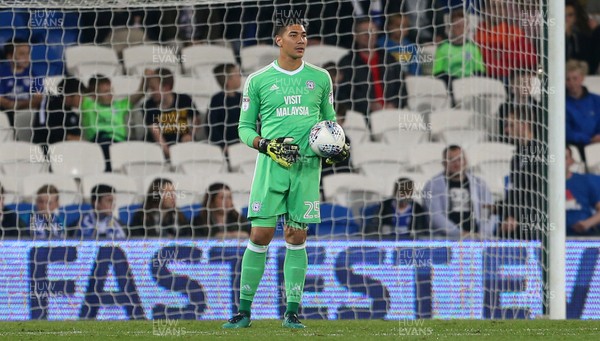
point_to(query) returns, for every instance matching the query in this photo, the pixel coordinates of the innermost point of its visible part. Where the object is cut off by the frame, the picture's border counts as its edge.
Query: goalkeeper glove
(341, 156)
(281, 150)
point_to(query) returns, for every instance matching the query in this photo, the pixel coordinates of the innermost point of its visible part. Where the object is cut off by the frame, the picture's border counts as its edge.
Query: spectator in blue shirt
(20, 88)
(100, 223)
(582, 202)
(397, 43)
(45, 222)
(583, 108)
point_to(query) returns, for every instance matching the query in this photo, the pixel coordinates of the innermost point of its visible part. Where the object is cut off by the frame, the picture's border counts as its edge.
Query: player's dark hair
(9, 47)
(96, 80)
(283, 22)
(165, 76)
(99, 191)
(221, 72)
(450, 148)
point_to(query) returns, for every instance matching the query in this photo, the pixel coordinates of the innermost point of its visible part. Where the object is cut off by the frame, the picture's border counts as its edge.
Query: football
(327, 138)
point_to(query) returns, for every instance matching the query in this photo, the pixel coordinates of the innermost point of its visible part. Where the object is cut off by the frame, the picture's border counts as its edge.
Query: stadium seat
(321, 54)
(355, 127)
(137, 159)
(20, 158)
(592, 154)
(138, 58)
(337, 222)
(352, 190)
(482, 95)
(426, 158)
(458, 127)
(240, 185)
(426, 94)
(491, 161)
(197, 59)
(257, 56)
(197, 158)
(379, 160)
(399, 127)
(242, 158)
(6, 131)
(592, 83)
(126, 189)
(76, 158)
(187, 192)
(87, 60)
(23, 125)
(51, 84)
(13, 189)
(67, 187)
(123, 86)
(206, 86)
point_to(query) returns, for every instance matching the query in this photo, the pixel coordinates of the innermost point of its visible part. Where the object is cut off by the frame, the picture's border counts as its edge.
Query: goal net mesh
(125, 187)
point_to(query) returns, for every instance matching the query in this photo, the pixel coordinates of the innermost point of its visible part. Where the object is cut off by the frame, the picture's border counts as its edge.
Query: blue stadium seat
(190, 211)
(336, 220)
(73, 213)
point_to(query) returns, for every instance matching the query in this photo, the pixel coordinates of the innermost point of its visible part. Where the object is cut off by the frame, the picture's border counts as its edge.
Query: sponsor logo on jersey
(274, 87)
(245, 103)
(310, 85)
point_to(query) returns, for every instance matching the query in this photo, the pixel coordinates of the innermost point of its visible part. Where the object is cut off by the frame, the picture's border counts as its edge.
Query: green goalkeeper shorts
(293, 192)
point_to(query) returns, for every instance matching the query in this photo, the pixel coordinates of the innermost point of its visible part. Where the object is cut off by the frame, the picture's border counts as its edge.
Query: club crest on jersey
(310, 85)
(245, 103)
(256, 206)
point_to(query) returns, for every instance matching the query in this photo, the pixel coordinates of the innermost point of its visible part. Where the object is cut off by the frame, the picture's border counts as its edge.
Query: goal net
(125, 187)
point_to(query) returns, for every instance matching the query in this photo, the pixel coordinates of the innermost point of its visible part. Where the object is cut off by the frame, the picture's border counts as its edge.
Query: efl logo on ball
(327, 138)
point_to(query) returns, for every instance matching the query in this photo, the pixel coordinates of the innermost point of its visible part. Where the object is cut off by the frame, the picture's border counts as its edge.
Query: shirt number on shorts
(311, 206)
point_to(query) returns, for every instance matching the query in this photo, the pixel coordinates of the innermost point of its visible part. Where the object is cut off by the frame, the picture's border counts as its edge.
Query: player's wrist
(262, 145)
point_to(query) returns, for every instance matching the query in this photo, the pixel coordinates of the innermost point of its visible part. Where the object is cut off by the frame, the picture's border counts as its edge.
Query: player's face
(104, 94)
(105, 203)
(574, 81)
(455, 162)
(21, 56)
(293, 41)
(46, 203)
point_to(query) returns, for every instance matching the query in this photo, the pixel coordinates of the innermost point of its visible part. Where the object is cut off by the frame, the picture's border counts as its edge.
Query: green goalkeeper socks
(294, 271)
(253, 267)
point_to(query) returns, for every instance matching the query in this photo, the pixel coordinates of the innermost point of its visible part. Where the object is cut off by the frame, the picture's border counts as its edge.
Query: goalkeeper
(290, 96)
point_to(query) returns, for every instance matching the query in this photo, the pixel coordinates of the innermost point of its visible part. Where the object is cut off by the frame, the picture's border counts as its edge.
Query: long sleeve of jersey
(249, 114)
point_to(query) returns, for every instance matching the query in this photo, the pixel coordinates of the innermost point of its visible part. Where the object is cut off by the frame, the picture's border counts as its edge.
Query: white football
(327, 138)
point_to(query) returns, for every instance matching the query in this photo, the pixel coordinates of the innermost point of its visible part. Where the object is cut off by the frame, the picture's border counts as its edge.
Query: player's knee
(295, 236)
(261, 235)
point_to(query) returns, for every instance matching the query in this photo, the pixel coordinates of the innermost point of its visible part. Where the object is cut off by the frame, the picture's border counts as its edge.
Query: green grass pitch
(316, 329)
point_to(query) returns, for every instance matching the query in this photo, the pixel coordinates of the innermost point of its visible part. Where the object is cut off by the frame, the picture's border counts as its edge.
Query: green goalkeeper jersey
(288, 103)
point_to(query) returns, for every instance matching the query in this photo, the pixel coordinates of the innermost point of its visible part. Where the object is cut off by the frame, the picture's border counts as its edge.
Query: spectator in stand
(104, 119)
(396, 43)
(9, 221)
(524, 210)
(45, 222)
(520, 93)
(503, 43)
(169, 116)
(427, 18)
(458, 56)
(582, 202)
(100, 223)
(20, 87)
(224, 110)
(578, 35)
(583, 108)
(459, 203)
(337, 77)
(372, 78)
(160, 217)
(399, 217)
(218, 218)
(56, 121)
